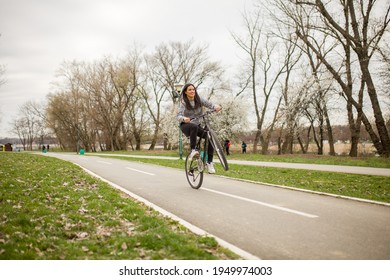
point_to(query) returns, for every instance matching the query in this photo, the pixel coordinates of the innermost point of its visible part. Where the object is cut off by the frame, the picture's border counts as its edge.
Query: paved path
(319, 167)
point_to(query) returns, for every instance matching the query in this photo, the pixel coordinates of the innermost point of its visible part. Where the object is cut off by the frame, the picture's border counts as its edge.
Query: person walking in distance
(243, 146)
(227, 147)
(191, 105)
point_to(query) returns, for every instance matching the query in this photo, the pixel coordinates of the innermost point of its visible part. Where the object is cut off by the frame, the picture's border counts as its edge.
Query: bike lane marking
(105, 162)
(307, 215)
(140, 171)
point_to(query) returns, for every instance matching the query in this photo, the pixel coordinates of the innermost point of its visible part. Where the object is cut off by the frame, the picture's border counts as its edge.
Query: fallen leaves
(82, 235)
(82, 210)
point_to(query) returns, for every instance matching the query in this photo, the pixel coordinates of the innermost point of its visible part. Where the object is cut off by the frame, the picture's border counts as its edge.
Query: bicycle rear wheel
(218, 149)
(194, 172)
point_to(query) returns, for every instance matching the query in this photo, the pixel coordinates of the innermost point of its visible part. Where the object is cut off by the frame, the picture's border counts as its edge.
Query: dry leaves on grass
(82, 235)
(103, 231)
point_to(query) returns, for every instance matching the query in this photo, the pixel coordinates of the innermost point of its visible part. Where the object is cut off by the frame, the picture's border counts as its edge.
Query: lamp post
(176, 95)
(76, 92)
(78, 138)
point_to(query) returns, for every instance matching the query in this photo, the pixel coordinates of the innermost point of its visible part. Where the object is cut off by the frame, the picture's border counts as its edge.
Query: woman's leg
(190, 130)
(210, 150)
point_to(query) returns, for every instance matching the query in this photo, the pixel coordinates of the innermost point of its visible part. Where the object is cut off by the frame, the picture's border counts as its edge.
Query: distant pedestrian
(243, 146)
(43, 148)
(227, 147)
(47, 147)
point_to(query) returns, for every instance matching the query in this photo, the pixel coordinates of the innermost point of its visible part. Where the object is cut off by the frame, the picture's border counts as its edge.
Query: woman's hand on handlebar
(217, 108)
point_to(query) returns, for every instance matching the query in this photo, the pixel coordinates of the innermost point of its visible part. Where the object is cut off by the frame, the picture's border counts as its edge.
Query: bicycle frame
(206, 140)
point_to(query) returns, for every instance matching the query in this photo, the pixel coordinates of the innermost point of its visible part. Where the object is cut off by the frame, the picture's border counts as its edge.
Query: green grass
(52, 209)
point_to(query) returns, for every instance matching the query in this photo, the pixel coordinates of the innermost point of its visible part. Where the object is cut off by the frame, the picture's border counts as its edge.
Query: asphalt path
(267, 222)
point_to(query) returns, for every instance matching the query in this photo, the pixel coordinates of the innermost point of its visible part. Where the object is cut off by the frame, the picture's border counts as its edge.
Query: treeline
(307, 66)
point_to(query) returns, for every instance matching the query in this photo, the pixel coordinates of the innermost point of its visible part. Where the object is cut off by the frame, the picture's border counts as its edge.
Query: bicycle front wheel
(218, 149)
(194, 172)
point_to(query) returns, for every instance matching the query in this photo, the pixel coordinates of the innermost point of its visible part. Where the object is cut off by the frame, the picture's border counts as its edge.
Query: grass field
(51, 209)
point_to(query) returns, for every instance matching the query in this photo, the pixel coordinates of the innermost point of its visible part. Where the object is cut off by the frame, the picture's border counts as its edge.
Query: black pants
(193, 130)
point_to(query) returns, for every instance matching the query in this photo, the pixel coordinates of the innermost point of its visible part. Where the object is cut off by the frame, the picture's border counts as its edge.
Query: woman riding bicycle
(191, 107)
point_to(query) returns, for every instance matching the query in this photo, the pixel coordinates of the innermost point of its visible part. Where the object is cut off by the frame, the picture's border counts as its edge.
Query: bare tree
(66, 114)
(174, 63)
(60, 119)
(320, 102)
(29, 125)
(136, 121)
(359, 31)
(264, 72)
(109, 86)
(385, 71)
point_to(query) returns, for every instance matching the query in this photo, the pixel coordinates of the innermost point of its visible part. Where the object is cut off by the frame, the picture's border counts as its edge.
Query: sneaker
(210, 168)
(194, 154)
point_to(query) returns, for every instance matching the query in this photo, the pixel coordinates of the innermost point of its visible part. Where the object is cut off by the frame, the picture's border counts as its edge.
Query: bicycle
(194, 168)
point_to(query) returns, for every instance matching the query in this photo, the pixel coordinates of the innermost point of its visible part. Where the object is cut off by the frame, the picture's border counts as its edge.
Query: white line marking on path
(105, 162)
(264, 204)
(140, 171)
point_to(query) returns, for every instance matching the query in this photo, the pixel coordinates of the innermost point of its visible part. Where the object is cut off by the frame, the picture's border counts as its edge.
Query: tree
(384, 71)
(136, 120)
(29, 125)
(175, 63)
(232, 120)
(385, 75)
(358, 30)
(263, 73)
(60, 119)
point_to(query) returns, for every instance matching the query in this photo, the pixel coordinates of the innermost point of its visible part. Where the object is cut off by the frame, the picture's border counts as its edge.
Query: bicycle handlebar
(203, 115)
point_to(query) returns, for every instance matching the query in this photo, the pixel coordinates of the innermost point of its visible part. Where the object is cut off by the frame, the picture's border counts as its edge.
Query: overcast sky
(37, 36)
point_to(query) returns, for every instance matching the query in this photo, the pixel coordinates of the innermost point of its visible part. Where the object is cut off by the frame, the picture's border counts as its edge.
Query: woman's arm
(180, 115)
(210, 105)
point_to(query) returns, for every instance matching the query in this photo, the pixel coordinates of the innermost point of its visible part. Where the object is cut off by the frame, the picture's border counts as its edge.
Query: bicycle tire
(194, 172)
(218, 149)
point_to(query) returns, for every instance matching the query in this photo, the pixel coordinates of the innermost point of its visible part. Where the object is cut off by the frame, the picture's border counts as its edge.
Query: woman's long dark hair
(187, 101)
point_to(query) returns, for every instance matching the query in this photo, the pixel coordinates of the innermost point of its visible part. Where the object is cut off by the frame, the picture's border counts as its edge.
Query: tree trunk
(354, 128)
(154, 139)
(256, 141)
(301, 145)
(379, 120)
(329, 132)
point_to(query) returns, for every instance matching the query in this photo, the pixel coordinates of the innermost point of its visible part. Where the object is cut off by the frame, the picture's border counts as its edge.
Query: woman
(190, 107)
